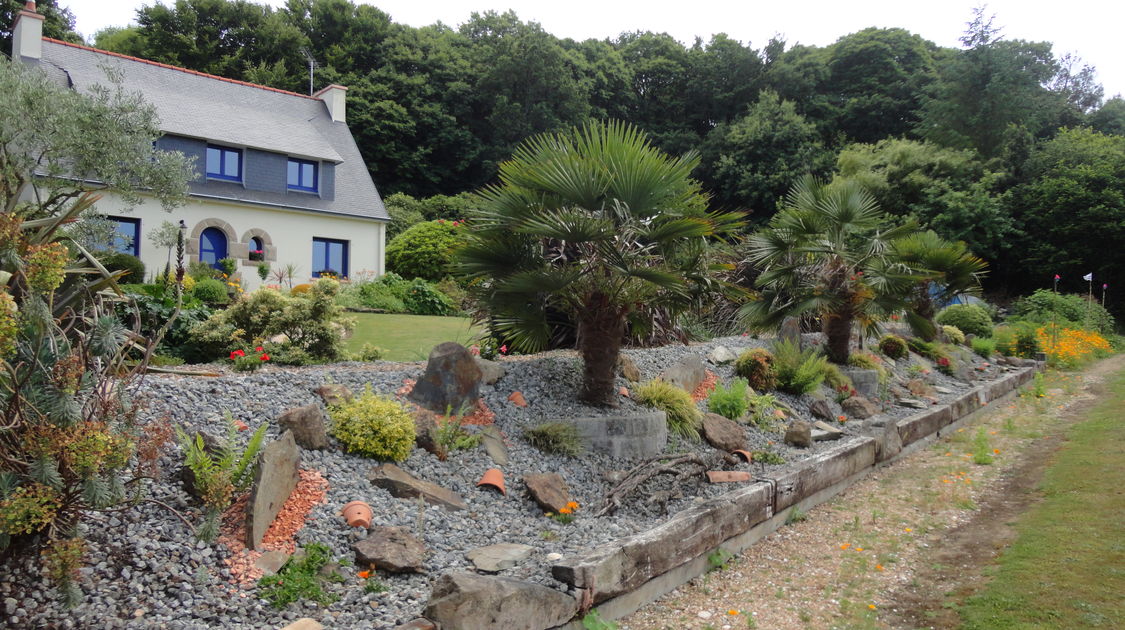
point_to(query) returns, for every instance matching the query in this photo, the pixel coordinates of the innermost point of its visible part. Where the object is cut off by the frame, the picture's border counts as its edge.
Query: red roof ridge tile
(178, 68)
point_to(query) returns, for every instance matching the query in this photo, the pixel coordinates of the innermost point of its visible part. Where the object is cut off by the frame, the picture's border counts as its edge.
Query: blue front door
(212, 246)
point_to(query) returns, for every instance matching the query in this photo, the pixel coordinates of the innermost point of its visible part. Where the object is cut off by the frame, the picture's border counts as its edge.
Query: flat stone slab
(723, 433)
(636, 435)
(304, 623)
(270, 562)
(391, 549)
(823, 431)
(912, 403)
(496, 558)
(466, 601)
(403, 485)
(687, 373)
(720, 355)
(275, 478)
(548, 490)
(494, 445)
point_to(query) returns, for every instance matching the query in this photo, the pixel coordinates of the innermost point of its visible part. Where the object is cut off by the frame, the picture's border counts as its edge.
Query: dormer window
(224, 163)
(302, 175)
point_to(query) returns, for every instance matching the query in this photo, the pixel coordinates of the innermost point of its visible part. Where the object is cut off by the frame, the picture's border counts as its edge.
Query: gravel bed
(145, 569)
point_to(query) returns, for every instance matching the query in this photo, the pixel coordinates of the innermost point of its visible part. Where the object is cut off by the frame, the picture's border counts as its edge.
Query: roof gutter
(285, 207)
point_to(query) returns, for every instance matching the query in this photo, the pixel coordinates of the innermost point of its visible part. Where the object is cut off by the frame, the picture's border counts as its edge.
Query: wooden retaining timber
(620, 577)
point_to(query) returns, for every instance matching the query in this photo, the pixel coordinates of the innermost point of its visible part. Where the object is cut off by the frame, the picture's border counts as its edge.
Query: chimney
(27, 34)
(333, 97)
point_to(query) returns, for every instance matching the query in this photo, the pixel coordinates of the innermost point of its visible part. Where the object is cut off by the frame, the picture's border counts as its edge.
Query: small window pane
(307, 175)
(294, 177)
(230, 164)
(213, 157)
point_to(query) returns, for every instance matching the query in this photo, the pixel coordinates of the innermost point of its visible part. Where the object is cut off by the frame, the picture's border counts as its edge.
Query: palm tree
(948, 269)
(826, 254)
(594, 224)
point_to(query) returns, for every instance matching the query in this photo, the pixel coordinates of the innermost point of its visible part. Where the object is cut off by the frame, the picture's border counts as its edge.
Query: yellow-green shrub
(301, 289)
(954, 335)
(682, 414)
(376, 426)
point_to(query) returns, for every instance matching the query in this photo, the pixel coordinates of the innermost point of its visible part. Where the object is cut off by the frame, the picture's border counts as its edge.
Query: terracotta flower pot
(745, 456)
(357, 514)
(494, 478)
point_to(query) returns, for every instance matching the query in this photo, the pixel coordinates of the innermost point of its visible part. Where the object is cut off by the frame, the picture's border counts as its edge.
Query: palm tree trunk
(838, 330)
(601, 327)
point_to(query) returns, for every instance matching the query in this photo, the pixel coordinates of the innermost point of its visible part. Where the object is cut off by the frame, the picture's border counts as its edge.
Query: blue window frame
(330, 255)
(126, 235)
(224, 163)
(302, 175)
(212, 246)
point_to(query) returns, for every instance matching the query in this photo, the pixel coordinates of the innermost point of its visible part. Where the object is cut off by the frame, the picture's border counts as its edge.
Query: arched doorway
(212, 246)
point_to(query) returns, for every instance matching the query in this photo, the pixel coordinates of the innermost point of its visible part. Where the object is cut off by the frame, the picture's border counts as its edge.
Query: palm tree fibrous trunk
(601, 327)
(838, 330)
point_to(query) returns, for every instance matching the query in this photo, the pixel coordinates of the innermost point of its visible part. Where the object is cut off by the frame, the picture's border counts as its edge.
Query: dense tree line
(968, 140)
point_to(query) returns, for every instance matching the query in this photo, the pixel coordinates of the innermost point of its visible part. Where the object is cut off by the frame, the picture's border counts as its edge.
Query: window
(126, 235)
(212, 246)
(224, 163)
(330, 256)
(257, 249)
(302, 175)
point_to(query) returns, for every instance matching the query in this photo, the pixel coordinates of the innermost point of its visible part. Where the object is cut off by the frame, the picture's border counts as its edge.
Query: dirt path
(896, 548)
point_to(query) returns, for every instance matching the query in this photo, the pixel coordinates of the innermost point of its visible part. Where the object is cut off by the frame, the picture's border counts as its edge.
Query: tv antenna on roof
(313, 65)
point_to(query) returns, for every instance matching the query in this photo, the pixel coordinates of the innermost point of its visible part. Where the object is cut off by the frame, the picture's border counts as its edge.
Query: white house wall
(287, 234)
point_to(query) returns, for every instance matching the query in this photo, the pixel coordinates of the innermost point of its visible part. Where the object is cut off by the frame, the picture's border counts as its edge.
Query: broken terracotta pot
(493, 478)
(745, 456)
(727, 476)
(357, 514)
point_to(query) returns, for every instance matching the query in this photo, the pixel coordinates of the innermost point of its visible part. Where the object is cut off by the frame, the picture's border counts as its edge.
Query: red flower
(943, 361)
(264, 357)
(504, 349)
(236, 353)
(258, 349)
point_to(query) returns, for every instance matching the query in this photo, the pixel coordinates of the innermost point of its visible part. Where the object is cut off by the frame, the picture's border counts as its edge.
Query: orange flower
(364, 574)
(732, 612)
(878, 567)
(996, 451)
(845, 545)
(572, 505)
(565, 510)
(871, 606)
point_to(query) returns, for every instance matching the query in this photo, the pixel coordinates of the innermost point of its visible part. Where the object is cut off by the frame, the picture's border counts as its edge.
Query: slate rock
(549, 490)
(790, 330)
(465, 601)
(859, 407)
(918, 387)
(823, 431)
(942, 390)
(496, 558)
(490, 371)
(451, 381)
(391, 549)
(275, 477)
(687, 373)
(912, 403)
(799, 433)
(403, 485)
(627, 368)
(820, 409)
(213, 446)
(720, 355)
(334, 395)
(494, 445)
(425, 428)
(270, 562)
(866, 382)
(307, 425)
(723, 433)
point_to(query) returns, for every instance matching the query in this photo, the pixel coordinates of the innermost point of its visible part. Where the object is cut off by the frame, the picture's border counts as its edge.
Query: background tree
(595, 223)
(58, 22)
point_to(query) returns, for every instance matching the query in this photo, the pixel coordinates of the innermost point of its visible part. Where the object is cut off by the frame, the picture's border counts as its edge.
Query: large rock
(403, 485)
(464, 601)
(490, 371)
(548, 490)
(859, 407)
(451, 382)
(866, 382)
(799, 433)
(820, 409)
(496, 558)
(687, 373)
(722, 433)
(275, 478)
(334, 395)
(425, 430)
(627, 368)
(643, 434)
(720, 355)
(391, 549)
(307, 425)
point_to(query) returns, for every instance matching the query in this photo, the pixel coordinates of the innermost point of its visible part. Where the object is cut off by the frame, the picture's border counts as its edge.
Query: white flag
(1089, 277)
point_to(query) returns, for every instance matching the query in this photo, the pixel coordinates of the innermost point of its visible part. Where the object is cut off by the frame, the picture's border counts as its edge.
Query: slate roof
(225, 111)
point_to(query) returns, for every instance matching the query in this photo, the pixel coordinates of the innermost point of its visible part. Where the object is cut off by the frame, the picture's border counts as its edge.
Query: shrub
(424, 250)
(132, 266)
(954, 335)
(210, 291)
(836, 378)
(1004, 338)
(375, 294)
(893, 346)
(683, 416)
(729, 402)
(868, 361)
(200, 270)
(1072, 347)
(263, 270)
(217, 475)
(456, 294)
(1074, 311)
(423, 299)
(983, 347)
(560, 438)
(798, 372)
(375, 426)
(228, 266)
(300, 289)
(923, 348)
(756, 366)
(1026, 341)
(970, 319)
(371, 352)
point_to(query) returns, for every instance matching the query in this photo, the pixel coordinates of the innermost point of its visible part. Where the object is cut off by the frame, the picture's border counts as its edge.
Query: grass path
(903, 547)
(408, 337)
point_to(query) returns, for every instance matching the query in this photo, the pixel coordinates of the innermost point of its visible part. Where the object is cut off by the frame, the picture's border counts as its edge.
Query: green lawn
(408, 337)
(1067, 566)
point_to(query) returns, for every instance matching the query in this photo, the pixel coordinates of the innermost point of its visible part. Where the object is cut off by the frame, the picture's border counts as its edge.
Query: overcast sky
(1090, 28)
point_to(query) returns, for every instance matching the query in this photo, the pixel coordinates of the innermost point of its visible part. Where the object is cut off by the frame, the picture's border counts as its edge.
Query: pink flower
(475, 351)
(504, 349)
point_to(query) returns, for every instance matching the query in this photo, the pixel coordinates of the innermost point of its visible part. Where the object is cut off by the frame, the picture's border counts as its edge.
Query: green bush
(954, 335)
(893, 346)
(1044, 306)
(1026, 342)
(560, 438)
(984, 347)
(868, 361)
(375, 426)
(302, 578)
(210, 291)
(228, 266)
(132, 266)
(683, 416)
(424, 250)
(730, 402)
(798, 372)
(836, 378)
(968, 318)
(923, 348)
(371, 352)
(200, 270)
(756, 366)
(422, 298)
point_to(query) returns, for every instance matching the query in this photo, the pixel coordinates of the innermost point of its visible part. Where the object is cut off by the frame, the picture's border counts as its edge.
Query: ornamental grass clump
(730, 402)
(756, 366)
(375, 426)
(798, 372)
(559, 438)
(684, 418)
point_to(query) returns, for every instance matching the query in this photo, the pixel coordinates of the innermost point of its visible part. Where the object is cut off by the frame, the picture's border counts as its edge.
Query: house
(278, 176)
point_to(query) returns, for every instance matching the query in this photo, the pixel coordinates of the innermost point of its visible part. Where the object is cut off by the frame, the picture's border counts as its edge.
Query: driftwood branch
(662, 465)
